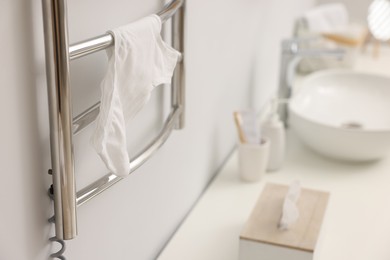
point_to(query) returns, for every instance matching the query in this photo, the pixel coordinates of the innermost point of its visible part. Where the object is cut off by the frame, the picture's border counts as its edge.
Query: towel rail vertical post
(178, 81)
(60, 115)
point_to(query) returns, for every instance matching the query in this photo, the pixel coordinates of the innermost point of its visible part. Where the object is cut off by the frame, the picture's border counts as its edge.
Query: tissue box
(261, 238)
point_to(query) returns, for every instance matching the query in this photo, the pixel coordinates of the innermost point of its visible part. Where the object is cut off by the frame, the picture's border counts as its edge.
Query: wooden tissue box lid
(262, 225)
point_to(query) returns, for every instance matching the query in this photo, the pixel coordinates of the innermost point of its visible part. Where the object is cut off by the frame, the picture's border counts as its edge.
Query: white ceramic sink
(343, 114)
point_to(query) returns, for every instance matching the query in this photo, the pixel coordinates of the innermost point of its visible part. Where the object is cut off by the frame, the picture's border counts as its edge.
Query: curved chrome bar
(110, 179)
(104, 41)
(85, 118)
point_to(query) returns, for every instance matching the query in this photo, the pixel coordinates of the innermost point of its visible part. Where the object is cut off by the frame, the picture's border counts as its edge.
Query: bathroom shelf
(356, 224)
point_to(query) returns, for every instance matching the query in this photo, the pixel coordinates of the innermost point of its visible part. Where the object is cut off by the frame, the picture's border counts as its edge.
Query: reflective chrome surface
(104, 41)
(174, 121)
(62, 127)
(90, 46)
(60, 106)
(107, 181)
(292, 54)
(178, 81)
(174, 9)
(85, 118)
(378, 19)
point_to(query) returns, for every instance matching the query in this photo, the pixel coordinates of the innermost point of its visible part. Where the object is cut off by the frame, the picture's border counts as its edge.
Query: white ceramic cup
(253, 160)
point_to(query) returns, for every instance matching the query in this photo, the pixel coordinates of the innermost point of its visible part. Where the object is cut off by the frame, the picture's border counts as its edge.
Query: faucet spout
(292, 54)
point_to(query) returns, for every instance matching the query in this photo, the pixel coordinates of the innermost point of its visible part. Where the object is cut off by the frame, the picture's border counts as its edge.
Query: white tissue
(290, 212)
(138, 61)
(327, 18)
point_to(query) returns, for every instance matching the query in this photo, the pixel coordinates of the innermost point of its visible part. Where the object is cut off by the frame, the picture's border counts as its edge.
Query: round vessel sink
(343, 114)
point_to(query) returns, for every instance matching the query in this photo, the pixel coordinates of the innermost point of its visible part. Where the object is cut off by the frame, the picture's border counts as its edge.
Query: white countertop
(357, 219)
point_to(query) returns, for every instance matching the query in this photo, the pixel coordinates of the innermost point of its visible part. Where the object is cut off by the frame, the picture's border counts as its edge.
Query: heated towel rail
(62, 127)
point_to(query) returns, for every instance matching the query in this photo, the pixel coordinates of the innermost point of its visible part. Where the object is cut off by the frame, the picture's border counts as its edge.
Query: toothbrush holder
(253, 160)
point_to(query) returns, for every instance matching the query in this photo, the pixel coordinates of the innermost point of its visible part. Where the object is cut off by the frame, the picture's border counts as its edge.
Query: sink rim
(303, 86)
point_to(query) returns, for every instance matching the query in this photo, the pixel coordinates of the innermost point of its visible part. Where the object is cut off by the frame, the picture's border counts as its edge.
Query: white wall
(232, 59)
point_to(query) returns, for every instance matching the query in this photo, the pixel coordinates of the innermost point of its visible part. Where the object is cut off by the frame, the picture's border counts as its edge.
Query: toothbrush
(238, 121)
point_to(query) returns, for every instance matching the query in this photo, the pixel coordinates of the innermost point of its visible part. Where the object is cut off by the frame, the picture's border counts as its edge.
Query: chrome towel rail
(107, 181)
(103, 41)
(62, 127)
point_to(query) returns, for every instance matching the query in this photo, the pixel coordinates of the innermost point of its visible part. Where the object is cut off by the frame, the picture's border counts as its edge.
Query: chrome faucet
(292, 54)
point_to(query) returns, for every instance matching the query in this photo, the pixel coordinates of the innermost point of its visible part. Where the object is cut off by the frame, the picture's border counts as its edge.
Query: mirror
(379, 19)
